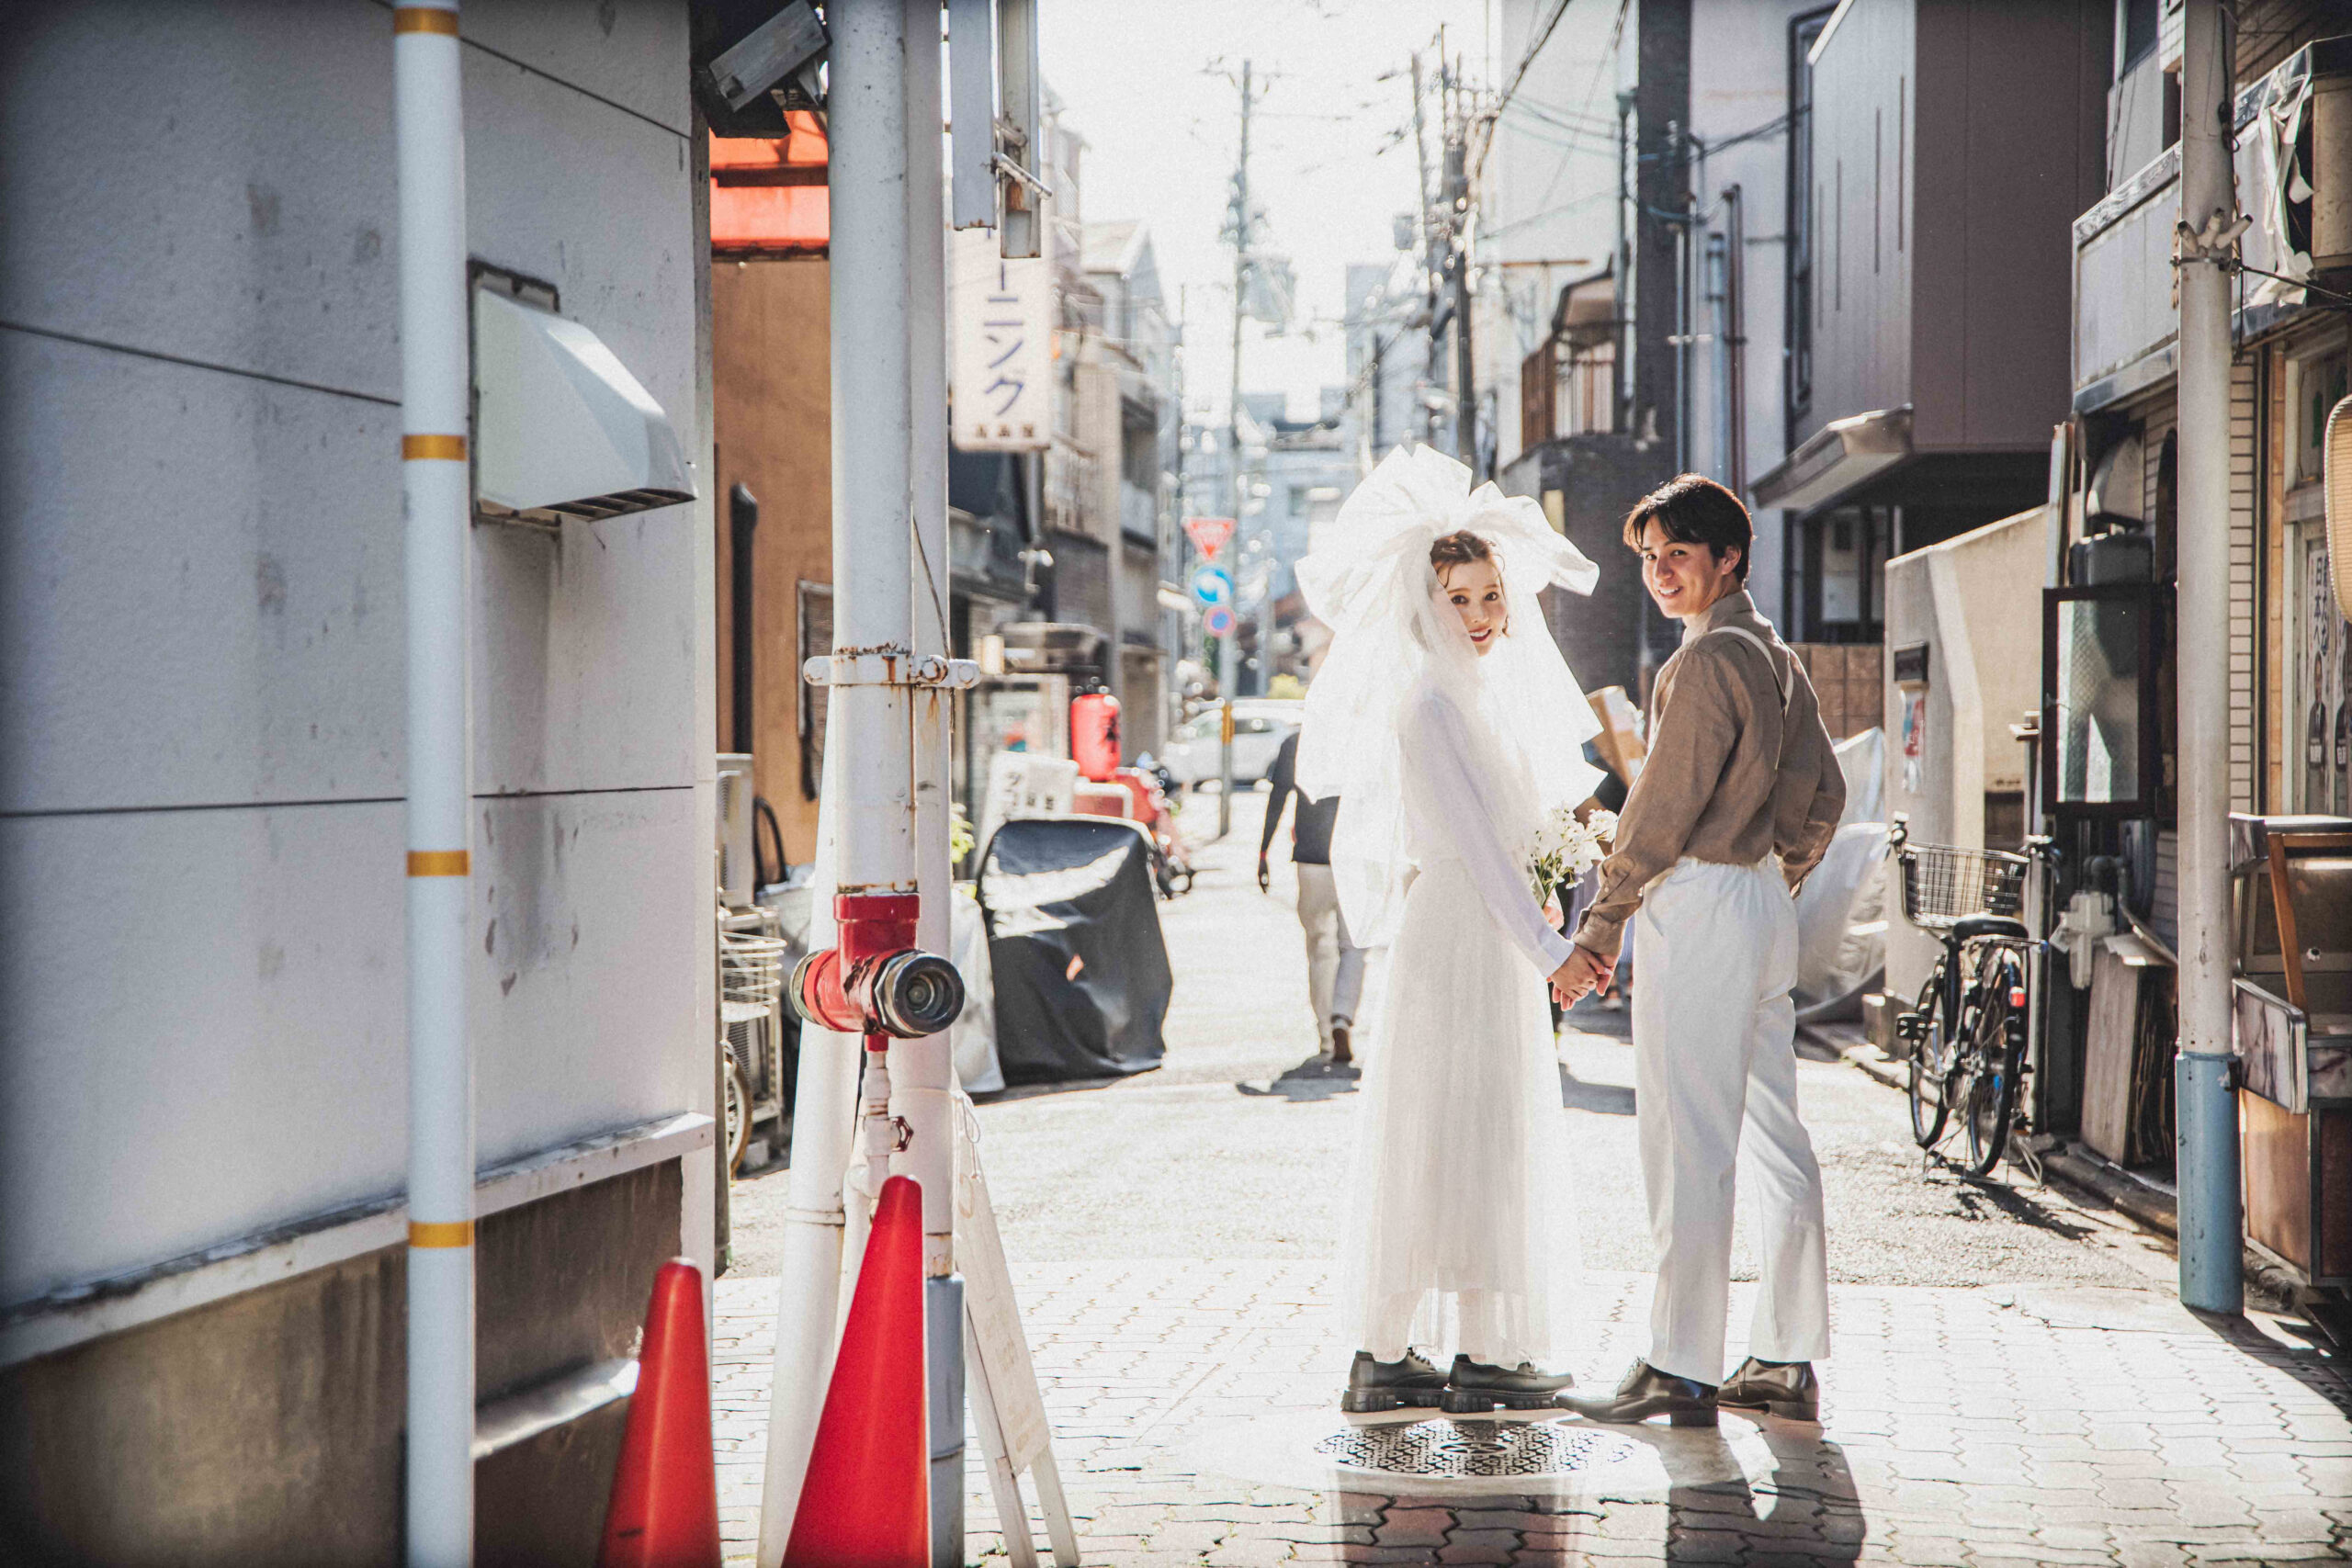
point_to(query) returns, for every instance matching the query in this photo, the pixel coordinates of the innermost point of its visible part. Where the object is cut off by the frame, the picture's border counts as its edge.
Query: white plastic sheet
(973, 1036)
(1841, 910)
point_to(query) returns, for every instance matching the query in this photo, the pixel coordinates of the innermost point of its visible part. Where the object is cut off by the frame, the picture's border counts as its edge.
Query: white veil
(1370, 581)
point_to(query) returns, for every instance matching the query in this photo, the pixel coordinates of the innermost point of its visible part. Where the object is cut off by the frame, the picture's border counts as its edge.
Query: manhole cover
(1471, 1450)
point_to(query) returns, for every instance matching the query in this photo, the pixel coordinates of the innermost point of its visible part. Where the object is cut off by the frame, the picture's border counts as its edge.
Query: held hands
(1585, 971)
(1264, 876)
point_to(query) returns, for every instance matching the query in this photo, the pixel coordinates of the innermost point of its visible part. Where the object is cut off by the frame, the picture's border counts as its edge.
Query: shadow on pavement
(1313, 1079)
(1602, 1098)
(1807, 1508)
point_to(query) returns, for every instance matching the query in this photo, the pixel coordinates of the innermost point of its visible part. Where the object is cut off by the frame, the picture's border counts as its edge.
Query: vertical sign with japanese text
(1004, 346)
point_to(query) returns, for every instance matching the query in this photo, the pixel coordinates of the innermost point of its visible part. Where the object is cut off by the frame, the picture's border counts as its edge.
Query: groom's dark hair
(1694, 510)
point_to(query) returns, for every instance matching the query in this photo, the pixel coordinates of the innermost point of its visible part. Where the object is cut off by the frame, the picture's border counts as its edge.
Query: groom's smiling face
(1685, 576)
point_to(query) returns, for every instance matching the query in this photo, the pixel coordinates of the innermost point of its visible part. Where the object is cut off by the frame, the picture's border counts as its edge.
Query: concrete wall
(202, 704)
(1975, 601)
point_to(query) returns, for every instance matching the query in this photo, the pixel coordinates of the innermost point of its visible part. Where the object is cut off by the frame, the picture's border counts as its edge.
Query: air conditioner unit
(561, 429)
(736, 874)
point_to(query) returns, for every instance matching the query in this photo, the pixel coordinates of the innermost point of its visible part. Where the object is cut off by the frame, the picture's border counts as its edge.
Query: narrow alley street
(2013, 1380)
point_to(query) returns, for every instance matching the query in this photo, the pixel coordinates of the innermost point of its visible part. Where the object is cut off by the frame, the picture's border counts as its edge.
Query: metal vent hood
(562, 428)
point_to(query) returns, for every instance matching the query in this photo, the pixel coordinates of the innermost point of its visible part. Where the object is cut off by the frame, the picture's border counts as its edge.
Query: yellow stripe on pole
(424, 19)
(441, 1232)
(437, 449)
(439, 862)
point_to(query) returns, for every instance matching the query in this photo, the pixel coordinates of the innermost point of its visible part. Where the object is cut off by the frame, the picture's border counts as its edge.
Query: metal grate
(1472, 1450)
(1941, 883)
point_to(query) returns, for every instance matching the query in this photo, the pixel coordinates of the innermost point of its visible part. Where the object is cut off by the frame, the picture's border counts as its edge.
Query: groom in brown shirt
(1738, 798)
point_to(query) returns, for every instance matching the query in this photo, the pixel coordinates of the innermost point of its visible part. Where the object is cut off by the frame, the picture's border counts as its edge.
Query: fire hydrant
(874, 981)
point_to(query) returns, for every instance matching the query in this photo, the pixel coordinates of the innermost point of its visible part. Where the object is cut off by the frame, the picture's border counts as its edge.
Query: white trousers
(1714, 1030)
(1334, 965)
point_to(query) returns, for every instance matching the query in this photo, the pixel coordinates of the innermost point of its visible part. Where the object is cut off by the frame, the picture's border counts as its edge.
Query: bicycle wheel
(1992, 1086)
(1930, 1063)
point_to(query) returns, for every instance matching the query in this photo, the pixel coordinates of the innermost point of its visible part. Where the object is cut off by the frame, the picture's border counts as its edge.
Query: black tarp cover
(1081, 972)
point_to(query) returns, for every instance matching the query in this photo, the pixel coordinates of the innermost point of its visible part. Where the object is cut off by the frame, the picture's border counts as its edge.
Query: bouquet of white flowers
(1565, 849)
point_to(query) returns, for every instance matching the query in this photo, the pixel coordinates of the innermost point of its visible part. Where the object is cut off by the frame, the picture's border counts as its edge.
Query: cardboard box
(1620, 740)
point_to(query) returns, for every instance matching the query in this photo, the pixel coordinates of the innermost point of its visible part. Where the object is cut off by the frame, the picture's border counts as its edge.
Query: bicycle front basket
(1942, 883)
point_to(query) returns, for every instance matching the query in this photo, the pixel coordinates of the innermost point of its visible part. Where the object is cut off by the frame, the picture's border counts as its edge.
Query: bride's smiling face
(1475, 590)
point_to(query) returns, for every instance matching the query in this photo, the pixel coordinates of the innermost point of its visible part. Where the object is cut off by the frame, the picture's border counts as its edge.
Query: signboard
(1004, 346)
(1208, 535)
(1211, 586)
(1218, 622)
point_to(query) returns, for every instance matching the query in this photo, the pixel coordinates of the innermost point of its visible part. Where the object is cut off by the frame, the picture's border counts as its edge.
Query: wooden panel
(2335, 1193)
(2277, 1151)
(2106, 1069)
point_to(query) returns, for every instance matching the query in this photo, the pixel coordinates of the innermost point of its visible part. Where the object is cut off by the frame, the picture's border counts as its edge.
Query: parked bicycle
(1967, 1031)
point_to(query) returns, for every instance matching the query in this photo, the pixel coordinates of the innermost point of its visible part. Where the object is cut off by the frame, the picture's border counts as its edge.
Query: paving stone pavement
(1964, 1426)
(2011, 1383)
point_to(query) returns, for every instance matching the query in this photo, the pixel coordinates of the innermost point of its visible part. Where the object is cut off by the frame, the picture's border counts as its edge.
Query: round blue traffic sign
(1218, 622)
(1212, 586)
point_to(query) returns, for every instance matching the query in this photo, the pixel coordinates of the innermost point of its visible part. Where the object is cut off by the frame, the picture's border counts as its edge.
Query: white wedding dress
(1460, 1232)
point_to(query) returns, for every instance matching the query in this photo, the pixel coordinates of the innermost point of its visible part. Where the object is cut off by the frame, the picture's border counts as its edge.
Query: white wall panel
(626, 52)
(200, 586)
(209, 181)
(206, 1011)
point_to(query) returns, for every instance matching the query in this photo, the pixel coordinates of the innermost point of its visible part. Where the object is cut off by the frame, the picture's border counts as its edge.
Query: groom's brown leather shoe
(1411, 1382)
(1786, 1389)
(1646, 1391)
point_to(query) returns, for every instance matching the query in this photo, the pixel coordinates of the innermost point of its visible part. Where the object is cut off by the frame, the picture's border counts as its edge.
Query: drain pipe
(2211, 1203)
(922, 1071)
(429, 129)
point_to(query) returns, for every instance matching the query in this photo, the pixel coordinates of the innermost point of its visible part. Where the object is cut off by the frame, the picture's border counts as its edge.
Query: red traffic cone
(866, 1502)
(664, 1510)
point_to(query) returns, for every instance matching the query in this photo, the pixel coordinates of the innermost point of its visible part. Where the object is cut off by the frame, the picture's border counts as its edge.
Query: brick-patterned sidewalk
(2001, 1424)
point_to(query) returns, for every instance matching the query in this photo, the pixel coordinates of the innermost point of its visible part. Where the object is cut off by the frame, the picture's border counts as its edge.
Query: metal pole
(2212, 1205)
(922, 1071)
(868, 796)
(1736, 339)
(429, 126)
(1227, 676)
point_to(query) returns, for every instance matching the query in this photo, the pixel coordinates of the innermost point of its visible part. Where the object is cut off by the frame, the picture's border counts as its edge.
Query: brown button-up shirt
(1731, 777)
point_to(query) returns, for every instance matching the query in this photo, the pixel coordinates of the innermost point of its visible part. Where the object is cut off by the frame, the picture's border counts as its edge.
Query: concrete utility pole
(1432, 260)
(2212, 1205)
(1457, 213)
(1227, 676)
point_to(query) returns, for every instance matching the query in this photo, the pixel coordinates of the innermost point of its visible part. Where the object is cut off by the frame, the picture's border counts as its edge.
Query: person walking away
(1738, 799)
(1334, 964)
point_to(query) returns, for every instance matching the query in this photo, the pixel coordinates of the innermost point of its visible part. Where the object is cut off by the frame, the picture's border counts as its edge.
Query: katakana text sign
(1004, 346)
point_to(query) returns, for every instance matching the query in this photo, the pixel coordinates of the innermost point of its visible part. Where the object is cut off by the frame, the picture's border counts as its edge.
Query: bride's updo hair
(1458, 549)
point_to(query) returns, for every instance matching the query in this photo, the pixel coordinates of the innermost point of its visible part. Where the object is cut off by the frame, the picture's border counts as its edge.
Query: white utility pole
(2211, 1203)
(923, 1072)
(1228, 646)
(428, 118)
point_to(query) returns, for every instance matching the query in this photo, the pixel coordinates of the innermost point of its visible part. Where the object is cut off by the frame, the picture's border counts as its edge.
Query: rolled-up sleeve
(1695, 729)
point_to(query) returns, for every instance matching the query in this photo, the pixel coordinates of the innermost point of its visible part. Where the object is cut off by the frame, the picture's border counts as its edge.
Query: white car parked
(1259, 725)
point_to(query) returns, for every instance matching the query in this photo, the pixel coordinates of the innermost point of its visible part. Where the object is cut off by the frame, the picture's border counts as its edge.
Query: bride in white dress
(1446, 719)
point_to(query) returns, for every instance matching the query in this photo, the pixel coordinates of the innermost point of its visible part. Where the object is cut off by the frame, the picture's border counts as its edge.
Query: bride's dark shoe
(1786, 1389)
(1473, 1388)
(1412, 1384)
(1646, 1391)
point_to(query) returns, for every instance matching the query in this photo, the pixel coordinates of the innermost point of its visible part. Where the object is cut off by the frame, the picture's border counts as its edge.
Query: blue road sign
(1212, 586)
(1218, 622)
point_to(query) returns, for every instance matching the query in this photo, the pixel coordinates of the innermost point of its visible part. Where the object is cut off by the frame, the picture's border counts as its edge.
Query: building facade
(202, 1343)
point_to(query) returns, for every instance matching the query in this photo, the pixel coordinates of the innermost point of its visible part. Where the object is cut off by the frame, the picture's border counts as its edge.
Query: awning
(1843, 456)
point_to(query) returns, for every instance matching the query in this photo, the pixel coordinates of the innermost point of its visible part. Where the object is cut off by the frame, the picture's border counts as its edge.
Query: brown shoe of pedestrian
(1646, 1391)
(1786, 1389)
(1342, 1048)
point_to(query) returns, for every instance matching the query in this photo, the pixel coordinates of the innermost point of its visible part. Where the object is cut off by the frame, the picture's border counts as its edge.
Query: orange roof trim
(768, 196)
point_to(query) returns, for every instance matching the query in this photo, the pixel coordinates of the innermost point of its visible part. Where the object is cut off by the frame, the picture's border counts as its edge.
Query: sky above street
(1153, 85)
